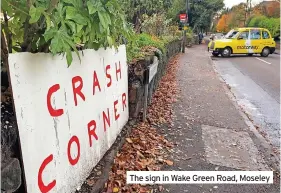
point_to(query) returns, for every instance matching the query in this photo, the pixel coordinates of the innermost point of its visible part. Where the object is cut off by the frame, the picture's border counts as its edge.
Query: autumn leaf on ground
(169, 162)
(119, 172)
(145, 148)
(91, 182)
(140, 154)
(129, 140)
(136, 146)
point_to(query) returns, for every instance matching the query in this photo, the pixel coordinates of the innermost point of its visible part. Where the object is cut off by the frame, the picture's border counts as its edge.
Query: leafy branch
(60, 26)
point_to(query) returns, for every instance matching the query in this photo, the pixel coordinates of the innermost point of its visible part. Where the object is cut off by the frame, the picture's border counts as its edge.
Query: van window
(265, 35)
(255, 34)
(244, 35)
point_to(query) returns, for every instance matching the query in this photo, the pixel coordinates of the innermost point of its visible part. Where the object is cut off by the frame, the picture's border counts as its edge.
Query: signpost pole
(185, 24)
(183, 41)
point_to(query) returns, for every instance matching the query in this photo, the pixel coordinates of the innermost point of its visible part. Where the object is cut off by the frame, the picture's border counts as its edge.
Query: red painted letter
(124, 101)
(118, 70)
(76, 140)
(92, 132)
(45, 188)
(108, 75)
(53, 112)
(106, 119)
(96, 82)
(77, 90)
(115, 111)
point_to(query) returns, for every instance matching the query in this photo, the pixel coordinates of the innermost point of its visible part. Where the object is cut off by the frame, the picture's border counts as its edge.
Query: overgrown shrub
(167, 39)
(189, 38)
(147, 40)
(63, 26)
(254, 21)
(156, 25)
(173, 30)
(272, 24)
(141, 42)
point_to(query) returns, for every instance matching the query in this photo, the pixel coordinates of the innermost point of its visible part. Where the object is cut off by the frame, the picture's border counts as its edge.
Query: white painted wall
(42, 135)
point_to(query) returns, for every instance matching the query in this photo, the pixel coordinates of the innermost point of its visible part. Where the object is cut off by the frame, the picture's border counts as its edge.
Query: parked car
(244, 41)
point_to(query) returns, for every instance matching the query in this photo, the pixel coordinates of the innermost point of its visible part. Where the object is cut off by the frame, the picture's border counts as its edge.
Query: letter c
(45, 188)
(53, 112)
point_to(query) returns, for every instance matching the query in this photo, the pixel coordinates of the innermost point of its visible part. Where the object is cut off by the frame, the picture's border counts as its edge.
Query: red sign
(183, 17)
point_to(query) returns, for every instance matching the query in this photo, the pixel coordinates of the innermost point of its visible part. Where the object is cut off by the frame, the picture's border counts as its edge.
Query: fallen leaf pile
(166, 94)
(145, 149)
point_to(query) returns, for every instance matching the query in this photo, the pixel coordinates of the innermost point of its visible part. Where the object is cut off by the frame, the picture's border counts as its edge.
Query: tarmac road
(255, 82)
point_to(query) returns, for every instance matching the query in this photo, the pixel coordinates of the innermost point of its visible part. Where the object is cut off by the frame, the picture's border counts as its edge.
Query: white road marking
(263, 60)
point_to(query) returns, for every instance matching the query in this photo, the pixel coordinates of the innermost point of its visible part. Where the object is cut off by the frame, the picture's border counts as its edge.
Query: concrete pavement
(209, 130)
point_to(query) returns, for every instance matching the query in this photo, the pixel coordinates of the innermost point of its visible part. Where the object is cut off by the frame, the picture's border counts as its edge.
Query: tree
(238, 15)
(267, 8)
(273, 9)
(201, 12)
(134, 9)
(222, 24)
(248, 10)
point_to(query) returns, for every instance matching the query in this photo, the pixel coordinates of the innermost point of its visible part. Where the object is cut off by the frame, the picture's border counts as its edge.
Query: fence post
(146, 82)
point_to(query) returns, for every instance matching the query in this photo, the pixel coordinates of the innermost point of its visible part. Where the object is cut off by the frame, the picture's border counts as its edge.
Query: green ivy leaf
(79, 28)
(108, 18)
(73, 14)
(77, 39)
(103, 18)
(41, 41)
(110, 6)
(67, 41)
(101, 28)
(35, 13)
(56, 45)
(69, 57)
(69, 1)
(110, 41)
(59, 41)
(71, 25)
(49, 34)
(96, 46)
(48, 20)
(91, 7)
(70, 12)
(75, 3)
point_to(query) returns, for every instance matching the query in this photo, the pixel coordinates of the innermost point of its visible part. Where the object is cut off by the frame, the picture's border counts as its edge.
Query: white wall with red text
(67, 117)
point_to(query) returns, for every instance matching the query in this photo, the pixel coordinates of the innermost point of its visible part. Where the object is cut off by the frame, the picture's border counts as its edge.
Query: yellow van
(244, 41)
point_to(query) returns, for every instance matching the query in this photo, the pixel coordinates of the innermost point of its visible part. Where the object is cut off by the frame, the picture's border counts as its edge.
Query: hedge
(272, 24)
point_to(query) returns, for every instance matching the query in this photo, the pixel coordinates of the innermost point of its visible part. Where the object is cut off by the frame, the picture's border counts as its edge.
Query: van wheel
(265, 52)
(226, 52)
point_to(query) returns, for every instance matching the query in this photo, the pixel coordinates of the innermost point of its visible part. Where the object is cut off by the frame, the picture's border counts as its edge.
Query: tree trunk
(4, 50)
(4, 71)
(8, 33)
(136, 22)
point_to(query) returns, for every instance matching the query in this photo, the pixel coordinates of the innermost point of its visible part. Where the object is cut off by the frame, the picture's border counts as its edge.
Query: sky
(230, 3)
